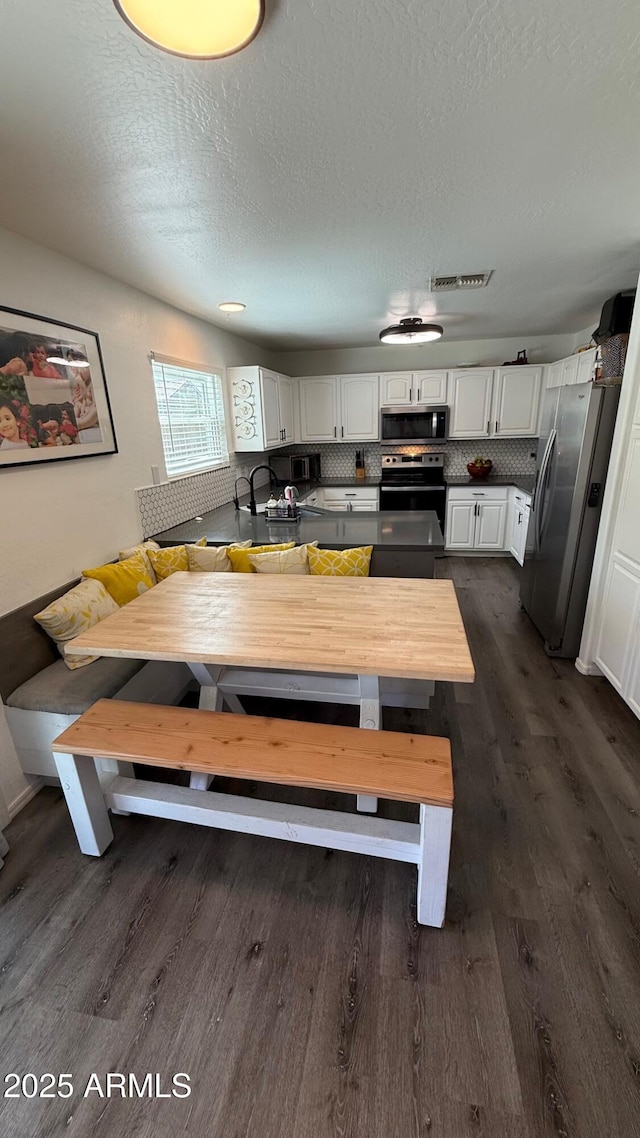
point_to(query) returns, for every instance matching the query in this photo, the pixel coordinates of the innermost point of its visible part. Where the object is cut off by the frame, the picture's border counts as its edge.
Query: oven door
(401, 498)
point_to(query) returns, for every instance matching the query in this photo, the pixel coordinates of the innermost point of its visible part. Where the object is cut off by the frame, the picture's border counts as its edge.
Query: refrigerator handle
(540, 471)
(542, 485)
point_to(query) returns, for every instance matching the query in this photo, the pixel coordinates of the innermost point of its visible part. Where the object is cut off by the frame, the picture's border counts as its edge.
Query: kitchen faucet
(273, 478)
(241, 478)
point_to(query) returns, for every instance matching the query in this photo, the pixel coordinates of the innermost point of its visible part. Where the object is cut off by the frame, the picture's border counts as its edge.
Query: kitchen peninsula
(404, 544)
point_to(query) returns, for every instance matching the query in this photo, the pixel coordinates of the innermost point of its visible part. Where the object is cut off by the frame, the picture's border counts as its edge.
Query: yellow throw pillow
(76, 612)
(212, 558)
(292, 562)
(340, 562)
(173, 559)
(239, 558)
(125, 580)
(142, 547)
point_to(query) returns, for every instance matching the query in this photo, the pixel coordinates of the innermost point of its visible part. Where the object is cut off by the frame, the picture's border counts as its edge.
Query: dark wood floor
(293, 985)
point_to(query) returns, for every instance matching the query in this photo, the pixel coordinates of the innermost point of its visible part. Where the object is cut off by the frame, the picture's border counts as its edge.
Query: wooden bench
(384, 764)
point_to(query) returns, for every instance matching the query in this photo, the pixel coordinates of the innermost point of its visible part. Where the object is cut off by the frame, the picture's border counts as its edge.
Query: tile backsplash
(170, 503)
(509, 456)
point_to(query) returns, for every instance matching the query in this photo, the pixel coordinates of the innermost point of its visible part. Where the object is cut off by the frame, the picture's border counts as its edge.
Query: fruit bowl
(480, 468)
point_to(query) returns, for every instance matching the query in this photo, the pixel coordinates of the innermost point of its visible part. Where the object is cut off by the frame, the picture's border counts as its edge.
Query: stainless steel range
(413, 482)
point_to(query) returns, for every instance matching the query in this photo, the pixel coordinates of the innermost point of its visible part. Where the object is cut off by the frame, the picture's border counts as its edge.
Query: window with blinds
(191, 412)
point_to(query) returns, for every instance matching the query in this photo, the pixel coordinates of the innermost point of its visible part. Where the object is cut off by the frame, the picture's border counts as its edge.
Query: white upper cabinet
(430, 387)
(339, 408)
(516, 401)
(395, 389)
(570, 370)
(403, 388)
(470, 396)
(359, 403)
(319, 409)
(586, 361)
(261, 406)
(285, 405)
(554, 374)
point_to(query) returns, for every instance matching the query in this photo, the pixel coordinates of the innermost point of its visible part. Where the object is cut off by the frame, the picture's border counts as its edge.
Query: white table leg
(433, 866)
(210, 699)
(89, 814)
(370, 720)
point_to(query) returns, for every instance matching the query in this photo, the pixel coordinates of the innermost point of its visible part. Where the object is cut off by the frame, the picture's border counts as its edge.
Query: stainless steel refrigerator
(575, 443)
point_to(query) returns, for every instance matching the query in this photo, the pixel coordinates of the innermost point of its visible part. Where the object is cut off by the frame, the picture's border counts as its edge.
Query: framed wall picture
(54, 403)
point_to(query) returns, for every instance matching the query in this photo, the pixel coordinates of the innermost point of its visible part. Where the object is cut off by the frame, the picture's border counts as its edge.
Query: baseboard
(17, 804)
(588, 669)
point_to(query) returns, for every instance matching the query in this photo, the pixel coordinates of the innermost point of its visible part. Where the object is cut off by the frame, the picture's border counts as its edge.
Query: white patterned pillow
(213, 558)
(292, 562)
(75, 612)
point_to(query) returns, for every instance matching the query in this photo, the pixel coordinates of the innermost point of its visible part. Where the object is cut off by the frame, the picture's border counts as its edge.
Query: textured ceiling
(322, 175)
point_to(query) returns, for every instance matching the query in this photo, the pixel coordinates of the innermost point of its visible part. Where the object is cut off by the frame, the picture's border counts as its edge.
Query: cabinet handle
(335, 432)
(342, 430)
(411, 395)
(478, 493)
(488, 426)
(496, 426)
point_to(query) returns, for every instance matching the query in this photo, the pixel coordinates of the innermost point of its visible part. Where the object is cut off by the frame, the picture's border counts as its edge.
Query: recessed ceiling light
(197, 29)
(411, 331)
(232, 306)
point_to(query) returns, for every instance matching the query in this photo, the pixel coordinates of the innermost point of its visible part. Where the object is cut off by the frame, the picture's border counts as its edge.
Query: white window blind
(191, 412)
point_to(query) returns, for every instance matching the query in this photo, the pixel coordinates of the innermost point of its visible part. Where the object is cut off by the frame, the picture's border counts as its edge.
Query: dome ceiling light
(411, 331)
(232, 306)
(196, 29)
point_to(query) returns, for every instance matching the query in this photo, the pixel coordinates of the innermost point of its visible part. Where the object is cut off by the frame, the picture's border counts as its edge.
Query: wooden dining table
(305, 637)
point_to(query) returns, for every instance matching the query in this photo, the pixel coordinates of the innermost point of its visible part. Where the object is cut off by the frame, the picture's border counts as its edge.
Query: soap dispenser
(272, 507)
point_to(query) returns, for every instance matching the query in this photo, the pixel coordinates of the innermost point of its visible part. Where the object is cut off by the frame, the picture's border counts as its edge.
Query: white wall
(65, 516)
(59, 518)
(443, 353)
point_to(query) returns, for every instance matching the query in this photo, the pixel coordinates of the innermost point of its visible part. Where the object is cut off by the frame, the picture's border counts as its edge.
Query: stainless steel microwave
(413, 424)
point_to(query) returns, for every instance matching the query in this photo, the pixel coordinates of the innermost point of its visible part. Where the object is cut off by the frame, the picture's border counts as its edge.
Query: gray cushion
(65, 692)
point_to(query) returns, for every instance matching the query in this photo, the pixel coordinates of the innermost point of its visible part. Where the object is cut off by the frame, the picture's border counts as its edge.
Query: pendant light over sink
(196, 29)
(411, 331)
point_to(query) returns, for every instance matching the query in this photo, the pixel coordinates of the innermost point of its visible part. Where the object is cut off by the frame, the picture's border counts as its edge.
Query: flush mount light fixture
(232, 306)
(196, 29)
(411, 331)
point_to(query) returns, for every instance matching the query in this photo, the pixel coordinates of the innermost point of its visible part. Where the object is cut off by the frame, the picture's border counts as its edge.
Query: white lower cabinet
(344, 498)
(520, 508)
(477, 519)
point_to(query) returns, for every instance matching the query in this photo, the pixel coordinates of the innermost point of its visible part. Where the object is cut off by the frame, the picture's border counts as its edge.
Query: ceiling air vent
(465, 280)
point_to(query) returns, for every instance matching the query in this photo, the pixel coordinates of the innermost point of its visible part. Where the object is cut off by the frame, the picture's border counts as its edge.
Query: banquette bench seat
(43, 697)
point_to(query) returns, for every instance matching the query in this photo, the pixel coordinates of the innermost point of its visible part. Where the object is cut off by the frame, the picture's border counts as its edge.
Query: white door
(517, 401)
(270, 408)
(519, 534)
(359, 399)
(460, 527)
(285, 404)
(491, 523)
(470, 400)
(586, 360)
(554, 374)
(395, 389)
(430, 387)
(319, 409)
(570, 370)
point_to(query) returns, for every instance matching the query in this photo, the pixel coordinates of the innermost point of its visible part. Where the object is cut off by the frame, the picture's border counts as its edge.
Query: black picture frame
(54, 401)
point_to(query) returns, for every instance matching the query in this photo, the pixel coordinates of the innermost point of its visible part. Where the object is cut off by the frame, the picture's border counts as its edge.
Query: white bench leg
(89, 814)
(433, 866)
(370, 721)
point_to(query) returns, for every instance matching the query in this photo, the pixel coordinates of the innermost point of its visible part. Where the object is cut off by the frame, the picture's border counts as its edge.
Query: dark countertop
(411, 530)
(523, 482)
